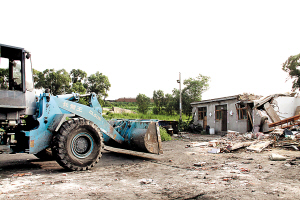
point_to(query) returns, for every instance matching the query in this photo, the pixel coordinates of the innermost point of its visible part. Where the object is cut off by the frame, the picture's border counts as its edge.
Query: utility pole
(180, 100)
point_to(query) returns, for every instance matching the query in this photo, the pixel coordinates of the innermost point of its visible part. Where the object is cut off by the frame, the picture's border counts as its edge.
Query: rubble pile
(249, 97)
(274, 121)
(254, 142)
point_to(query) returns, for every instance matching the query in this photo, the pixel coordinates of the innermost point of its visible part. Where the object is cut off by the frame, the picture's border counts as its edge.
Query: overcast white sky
(143, 45)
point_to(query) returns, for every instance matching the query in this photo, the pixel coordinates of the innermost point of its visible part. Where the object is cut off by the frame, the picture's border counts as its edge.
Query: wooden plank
(286, 121)
(271, 112)
(132, 153)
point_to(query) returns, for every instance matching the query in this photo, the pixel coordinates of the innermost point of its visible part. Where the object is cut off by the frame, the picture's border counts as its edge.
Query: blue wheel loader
(58, 126)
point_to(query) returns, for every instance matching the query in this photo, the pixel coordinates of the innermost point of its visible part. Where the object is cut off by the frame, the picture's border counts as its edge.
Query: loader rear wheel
(78, 144)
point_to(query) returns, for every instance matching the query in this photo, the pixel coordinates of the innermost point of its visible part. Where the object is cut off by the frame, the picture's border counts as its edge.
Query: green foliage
(291, 66)
(99, 84)
(170, 104)
(78, 75)
(195, 87)
(57, 81)
(144, 116)
(62, 82)
(107, 104)
(184, 124)
(78, 88)
(163, 104)
(84, 101)
(155, 110)
(143, 103)
(192, 92)
(36, 75)
(164, 134)
(159, 101)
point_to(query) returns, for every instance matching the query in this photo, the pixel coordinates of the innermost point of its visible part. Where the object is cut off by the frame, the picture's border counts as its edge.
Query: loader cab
(15, 69)
(16, 83)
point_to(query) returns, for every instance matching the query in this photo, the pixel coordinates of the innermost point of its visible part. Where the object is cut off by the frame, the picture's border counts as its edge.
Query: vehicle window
(4, 74)
(29, 76)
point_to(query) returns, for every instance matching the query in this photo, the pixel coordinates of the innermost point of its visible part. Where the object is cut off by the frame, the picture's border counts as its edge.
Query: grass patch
(164, 134)
(109, 116)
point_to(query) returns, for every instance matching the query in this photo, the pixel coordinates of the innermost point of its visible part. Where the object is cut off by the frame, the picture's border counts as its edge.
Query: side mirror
(28, 55)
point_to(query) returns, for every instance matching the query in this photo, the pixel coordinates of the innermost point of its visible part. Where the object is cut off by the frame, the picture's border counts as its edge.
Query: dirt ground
(174, 175)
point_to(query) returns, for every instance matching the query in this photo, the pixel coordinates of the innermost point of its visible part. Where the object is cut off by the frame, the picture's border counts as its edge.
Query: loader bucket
(139, 135)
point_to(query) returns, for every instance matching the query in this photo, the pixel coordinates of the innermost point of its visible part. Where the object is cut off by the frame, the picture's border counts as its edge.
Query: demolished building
(246, 112)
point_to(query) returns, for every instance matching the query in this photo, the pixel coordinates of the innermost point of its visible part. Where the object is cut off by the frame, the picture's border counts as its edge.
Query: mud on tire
(78, 144)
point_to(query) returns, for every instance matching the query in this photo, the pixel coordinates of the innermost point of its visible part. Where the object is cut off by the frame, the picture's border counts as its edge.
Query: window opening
(219, 110)
(202, 113)
(241, 111)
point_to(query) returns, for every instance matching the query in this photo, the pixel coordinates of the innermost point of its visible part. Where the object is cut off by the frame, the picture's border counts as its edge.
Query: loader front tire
(78, 144)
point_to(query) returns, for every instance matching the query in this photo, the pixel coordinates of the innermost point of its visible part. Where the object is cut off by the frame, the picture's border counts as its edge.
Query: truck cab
(17, 97)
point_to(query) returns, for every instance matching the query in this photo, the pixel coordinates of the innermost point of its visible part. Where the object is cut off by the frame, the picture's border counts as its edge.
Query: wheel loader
(58, 126)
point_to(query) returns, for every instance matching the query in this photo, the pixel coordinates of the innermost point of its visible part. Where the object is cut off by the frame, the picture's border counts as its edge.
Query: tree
(169, 104)
(186, 106)
(78, 88)
(57, 81)
(291, 66)
(159, 101)
(194, 87)
(36, 74)
(143, 103)
(99, 84)
(77, 75)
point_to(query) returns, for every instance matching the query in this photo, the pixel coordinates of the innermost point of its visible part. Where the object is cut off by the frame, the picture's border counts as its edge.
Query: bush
(164, 134)
(155, 110)
(184, 125)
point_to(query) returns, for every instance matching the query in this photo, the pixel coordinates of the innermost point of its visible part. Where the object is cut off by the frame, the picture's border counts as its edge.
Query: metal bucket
(139, 135)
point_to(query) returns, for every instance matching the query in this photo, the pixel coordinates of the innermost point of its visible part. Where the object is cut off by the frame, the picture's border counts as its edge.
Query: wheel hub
(82, 145)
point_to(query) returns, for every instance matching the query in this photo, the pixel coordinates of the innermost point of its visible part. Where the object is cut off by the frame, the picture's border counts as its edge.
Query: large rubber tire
(45, 154)
(78, 144)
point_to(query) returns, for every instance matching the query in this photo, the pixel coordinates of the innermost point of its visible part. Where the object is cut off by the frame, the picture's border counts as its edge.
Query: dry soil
(180, 173)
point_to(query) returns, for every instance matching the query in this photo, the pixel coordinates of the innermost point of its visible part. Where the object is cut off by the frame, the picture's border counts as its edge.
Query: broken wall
(286, 106)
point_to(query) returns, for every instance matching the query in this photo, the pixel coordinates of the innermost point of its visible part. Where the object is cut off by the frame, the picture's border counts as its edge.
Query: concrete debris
(277, 131)
(254, 142)
(214, 143)
(214, 150)
(146, 181)
(249, 97)
(199, 164)
(277, 157)
(238, 145)
(258, 147)
(198, 144)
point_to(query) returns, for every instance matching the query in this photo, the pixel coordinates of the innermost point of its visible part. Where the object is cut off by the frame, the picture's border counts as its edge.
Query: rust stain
(111, 130)
(31, 143)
